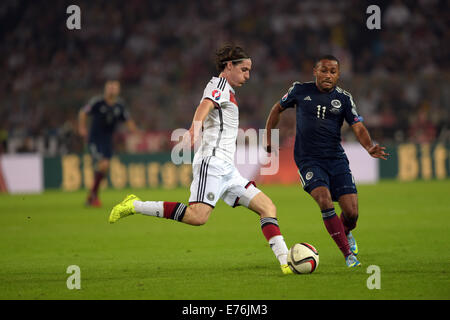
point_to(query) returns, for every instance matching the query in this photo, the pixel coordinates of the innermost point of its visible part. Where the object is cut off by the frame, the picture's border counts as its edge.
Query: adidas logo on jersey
(307, 98)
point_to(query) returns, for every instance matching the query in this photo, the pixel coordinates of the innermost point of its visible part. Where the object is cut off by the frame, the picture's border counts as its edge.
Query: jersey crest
(336, 103)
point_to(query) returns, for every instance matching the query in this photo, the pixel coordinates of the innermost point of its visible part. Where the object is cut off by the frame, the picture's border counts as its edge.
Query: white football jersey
(220, 128)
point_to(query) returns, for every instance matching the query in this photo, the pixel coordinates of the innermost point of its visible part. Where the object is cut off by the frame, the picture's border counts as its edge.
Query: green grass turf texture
(403, 229)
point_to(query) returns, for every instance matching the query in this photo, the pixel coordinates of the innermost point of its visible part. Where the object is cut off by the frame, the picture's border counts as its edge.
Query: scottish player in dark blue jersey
(321, 108)
(106, 113)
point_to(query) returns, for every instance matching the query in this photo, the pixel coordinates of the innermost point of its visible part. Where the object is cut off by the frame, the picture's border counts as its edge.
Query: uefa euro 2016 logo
(216, 94)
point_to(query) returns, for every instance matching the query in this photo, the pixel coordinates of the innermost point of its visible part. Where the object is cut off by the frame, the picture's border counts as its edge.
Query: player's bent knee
(349, 205)
(324, 202)
(202, 218)
(352, 213)
(197, 215)
(103, 165)
(198, 221)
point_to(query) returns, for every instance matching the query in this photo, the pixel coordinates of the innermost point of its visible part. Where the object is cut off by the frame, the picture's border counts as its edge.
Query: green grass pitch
(403, 229)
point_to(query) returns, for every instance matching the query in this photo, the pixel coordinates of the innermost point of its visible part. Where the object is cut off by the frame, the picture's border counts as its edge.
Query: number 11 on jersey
(323, 111)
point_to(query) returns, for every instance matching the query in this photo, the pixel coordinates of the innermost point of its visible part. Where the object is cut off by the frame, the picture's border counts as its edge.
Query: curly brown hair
(229, 52)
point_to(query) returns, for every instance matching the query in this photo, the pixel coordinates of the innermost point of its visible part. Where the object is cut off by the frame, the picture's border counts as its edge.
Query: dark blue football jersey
(320, 116)
(104, 119)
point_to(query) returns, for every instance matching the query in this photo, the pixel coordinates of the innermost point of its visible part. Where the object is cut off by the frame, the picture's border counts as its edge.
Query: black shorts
(334, 174)
(100, 151)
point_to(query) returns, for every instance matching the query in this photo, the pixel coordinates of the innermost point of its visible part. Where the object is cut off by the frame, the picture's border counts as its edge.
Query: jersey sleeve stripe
(340, 90)
(222, 84)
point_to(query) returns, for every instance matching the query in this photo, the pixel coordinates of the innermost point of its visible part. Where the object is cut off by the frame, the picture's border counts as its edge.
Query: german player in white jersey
(220, 126)
(214, 174)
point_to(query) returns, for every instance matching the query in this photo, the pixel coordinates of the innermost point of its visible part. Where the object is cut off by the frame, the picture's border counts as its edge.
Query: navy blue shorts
(334, 174)
(100, 151)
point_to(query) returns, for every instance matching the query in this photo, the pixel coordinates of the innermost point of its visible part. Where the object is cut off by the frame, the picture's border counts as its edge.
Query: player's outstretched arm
(364, 139)
(200, 115)
(271, 123)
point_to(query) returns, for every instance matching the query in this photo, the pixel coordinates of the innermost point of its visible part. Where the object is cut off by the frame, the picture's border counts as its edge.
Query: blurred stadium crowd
(163, 51)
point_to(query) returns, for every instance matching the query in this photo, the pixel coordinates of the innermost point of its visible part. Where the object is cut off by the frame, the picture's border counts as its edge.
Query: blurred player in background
(214, 173)
(323, 166)
(106, 112)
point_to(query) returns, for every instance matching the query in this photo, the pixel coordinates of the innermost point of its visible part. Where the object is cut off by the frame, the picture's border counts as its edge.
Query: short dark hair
(326, 57)
(229, 52)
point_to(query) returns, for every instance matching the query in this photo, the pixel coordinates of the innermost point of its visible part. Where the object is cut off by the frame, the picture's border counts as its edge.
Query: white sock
(279, 248)
(149, 208)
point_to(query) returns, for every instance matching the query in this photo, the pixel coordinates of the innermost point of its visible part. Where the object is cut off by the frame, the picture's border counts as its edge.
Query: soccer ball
(303, 258)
